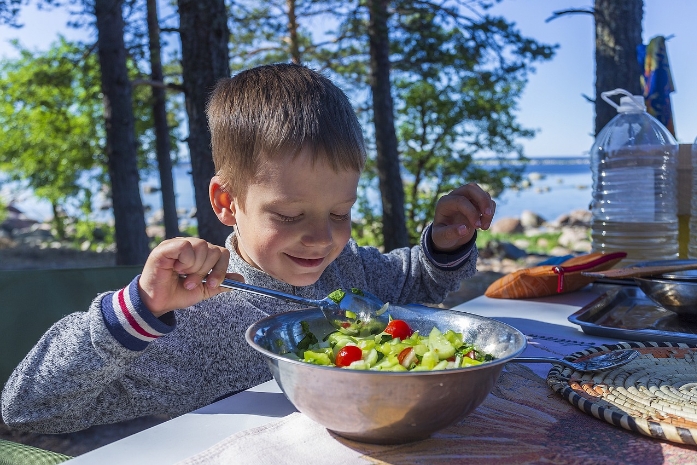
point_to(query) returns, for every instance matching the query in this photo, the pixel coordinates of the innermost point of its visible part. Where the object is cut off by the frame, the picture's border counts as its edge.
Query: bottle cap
(631, 103)
(627, 103)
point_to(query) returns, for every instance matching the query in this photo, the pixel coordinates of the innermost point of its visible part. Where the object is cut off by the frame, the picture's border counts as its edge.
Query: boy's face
(296, 218)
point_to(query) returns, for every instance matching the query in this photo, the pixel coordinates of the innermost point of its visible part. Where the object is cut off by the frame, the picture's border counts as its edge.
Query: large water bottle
(634, 165)
(692, 244)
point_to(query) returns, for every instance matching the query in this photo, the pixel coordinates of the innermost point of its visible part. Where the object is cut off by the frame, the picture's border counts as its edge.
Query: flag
(657, 81)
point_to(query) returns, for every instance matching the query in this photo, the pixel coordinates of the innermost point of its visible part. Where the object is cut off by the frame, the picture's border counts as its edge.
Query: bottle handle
(607, 94)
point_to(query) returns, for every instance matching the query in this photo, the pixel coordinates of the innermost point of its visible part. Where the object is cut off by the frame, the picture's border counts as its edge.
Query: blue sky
(552, 102)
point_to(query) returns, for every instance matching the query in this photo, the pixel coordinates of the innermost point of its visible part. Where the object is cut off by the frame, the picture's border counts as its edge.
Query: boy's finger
(479, 207)
(488, 217)
(458, 210)
(223, 288)
(219, 269)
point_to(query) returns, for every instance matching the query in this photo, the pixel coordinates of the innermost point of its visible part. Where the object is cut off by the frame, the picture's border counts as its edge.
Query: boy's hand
(162, 289)
(459, 214)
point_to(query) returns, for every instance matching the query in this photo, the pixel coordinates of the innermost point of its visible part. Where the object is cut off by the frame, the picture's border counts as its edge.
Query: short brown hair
(273, 110)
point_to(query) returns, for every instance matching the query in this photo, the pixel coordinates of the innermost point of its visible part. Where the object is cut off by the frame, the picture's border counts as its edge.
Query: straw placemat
(655, 394)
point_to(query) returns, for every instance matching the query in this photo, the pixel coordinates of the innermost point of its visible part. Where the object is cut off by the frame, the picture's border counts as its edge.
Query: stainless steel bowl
(679, 296)
(381, 407)
(675, 291)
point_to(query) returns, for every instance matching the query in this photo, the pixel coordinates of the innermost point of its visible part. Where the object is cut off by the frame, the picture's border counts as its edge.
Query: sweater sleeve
(75, 376)
(129, 320)
(408, 275)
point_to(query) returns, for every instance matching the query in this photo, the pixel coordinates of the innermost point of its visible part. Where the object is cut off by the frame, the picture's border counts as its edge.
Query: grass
(541, 244)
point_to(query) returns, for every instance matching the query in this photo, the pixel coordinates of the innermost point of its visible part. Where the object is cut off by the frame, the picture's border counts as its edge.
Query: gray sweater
(99, 366)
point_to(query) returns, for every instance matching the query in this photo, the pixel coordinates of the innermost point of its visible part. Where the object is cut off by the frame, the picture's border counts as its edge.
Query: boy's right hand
(161, 286)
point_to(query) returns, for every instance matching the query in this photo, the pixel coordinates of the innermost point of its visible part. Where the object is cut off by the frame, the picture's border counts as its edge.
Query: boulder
(574, 238)
(507, 225)
(580, 218)
(530, 219)
(502, 250)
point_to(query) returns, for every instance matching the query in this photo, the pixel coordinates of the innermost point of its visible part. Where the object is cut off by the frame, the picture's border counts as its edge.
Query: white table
(194, 432)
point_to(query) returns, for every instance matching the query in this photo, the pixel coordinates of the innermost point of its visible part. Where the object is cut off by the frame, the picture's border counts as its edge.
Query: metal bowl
(679, 296)
(675, 291)
(385, 407)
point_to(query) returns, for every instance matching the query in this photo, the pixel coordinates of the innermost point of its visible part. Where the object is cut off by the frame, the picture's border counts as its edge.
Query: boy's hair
(275, 110)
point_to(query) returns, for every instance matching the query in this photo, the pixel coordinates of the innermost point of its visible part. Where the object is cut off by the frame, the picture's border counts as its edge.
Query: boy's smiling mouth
(307, 262)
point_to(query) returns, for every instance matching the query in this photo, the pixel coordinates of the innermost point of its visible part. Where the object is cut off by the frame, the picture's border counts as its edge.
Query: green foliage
(95, 232)
(541, 243)
(3, 210)
(52, 131)
(457, 82)
(50, 114)
(191, 231)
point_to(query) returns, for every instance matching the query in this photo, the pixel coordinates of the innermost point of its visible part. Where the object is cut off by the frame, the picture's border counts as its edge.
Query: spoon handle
(232, 284)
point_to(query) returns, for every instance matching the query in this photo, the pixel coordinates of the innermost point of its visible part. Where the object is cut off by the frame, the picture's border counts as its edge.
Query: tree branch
(570, 11)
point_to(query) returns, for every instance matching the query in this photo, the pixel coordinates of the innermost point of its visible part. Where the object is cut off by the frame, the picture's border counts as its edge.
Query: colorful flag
(657, 81)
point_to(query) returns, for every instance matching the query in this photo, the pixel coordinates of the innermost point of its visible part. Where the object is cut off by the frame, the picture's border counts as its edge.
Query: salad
(396, 348)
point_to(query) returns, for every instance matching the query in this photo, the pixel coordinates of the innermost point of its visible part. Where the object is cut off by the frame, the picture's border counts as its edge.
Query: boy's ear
(221, 201)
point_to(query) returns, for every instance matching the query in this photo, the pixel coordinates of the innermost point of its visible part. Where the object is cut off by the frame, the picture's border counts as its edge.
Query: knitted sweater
(116, 361)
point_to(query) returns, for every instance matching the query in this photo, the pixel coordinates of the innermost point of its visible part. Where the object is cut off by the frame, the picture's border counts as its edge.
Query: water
(634, 202)
(558, 185)
(641, 241)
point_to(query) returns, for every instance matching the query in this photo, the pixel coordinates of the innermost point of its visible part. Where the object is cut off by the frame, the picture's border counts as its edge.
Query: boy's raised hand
(459, 214)
(162, 288)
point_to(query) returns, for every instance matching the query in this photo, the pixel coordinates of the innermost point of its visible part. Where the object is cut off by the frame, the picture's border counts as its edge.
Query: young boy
(288, 151)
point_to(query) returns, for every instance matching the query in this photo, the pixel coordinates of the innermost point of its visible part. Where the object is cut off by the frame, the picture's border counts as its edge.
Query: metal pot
(386, 407)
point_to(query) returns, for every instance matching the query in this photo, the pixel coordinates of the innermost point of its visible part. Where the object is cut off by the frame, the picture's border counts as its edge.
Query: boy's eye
(288, 219)
(345, 217)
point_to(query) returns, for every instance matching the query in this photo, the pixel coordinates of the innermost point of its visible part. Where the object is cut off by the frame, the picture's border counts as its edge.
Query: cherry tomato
(399, 328)
(406, 357)
(348, 355)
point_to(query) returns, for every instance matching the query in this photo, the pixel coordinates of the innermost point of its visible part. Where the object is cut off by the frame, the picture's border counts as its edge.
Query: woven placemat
(655, 394)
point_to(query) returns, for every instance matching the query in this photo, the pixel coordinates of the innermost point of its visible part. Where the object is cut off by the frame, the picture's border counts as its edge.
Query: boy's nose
(319, 233)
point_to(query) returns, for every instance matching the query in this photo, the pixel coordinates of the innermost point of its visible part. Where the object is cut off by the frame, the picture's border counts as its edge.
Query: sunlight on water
(557, 186)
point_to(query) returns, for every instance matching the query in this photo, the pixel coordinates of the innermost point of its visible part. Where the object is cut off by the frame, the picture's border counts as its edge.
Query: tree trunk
(617, 35)
(294, 47)
(164, 160)
(394, 229)
(129, 220)
(204, 38)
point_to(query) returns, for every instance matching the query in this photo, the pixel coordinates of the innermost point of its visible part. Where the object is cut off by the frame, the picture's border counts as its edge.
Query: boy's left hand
(459, 214)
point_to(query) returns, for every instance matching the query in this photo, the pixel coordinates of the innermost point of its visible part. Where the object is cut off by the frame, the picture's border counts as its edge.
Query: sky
(553, 102)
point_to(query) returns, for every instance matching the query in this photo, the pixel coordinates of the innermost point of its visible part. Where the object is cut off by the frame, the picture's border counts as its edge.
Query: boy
(288, 151)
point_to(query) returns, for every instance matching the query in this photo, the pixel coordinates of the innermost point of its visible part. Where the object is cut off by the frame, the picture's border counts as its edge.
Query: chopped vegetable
(397, 348)
(398, 328)
(337, 296)
(347, 355)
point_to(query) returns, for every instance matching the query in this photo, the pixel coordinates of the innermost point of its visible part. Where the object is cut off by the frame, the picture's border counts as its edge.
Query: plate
(655, 394)
(624, 312)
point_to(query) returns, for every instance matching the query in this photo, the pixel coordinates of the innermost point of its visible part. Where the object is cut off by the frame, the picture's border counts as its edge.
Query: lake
(557, 185)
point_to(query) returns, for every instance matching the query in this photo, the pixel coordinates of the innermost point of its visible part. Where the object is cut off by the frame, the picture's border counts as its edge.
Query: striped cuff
(130, 321)
(447, 261)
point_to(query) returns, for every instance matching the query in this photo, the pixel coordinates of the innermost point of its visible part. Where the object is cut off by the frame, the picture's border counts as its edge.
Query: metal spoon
(597, 363)
(357, 312)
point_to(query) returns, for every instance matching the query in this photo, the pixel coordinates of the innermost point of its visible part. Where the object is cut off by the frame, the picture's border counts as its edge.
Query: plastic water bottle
(634, 165)
(692, 244)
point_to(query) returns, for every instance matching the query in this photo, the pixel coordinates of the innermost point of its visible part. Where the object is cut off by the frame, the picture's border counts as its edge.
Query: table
(192, 433)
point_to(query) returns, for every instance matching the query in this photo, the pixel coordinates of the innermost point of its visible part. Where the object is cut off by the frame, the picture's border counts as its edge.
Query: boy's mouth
(307, 262)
